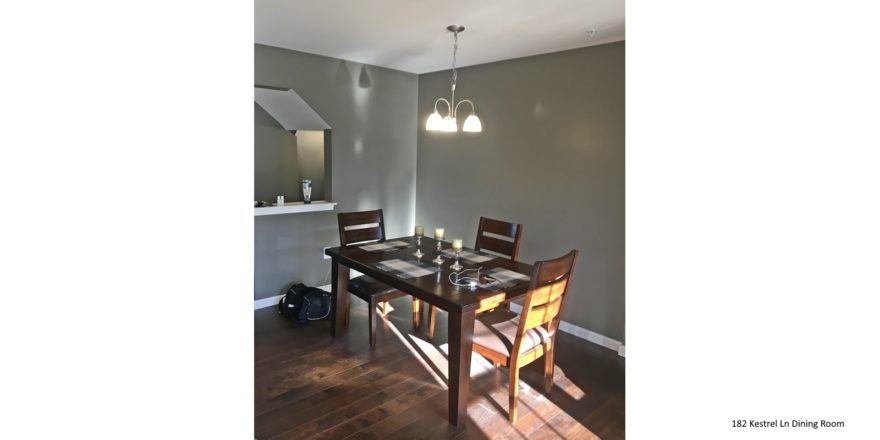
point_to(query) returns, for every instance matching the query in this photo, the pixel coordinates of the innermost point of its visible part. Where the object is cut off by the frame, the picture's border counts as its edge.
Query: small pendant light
(449, 122)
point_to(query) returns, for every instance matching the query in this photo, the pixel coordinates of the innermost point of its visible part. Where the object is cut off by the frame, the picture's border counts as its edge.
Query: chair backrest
(357, 227)
(509, 249)
(546, 295)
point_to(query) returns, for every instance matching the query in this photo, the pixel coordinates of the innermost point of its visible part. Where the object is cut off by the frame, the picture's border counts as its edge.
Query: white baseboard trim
(266, 302)
(272, 301)
(583, 333)
(567, 327)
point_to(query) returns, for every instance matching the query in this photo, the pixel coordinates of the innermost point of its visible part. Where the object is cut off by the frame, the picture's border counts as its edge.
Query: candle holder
(439, 259)
(438, 235)
(456, 266)
(419, 253)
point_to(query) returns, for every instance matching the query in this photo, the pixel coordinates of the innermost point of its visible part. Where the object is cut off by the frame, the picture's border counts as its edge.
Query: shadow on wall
(343, 75)
(364, 81)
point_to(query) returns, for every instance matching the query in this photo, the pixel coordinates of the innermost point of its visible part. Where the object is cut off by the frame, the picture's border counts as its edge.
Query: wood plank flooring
(309, 386)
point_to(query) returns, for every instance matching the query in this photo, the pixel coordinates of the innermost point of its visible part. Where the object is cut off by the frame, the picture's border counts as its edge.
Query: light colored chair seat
(497, 331)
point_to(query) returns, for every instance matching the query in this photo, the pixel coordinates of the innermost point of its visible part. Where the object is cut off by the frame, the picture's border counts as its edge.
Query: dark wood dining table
(462, 303)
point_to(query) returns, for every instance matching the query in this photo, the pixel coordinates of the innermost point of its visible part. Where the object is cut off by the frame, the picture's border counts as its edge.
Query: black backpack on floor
(304, 303)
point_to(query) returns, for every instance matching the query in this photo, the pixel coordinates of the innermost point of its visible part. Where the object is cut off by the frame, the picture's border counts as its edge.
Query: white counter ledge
(295, 207)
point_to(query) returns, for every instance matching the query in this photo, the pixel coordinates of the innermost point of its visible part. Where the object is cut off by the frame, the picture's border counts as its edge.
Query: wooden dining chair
(514, 341)
(506, 249)
(367, 226)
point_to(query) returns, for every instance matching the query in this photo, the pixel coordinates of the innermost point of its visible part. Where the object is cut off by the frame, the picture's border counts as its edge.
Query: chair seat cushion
(497, 331)
(365, 287)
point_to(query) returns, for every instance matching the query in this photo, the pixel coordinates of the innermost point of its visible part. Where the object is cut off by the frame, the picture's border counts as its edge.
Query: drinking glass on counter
(307, 191)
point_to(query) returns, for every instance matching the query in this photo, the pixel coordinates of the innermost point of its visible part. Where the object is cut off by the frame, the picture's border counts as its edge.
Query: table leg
(339, 280)
(461, 341)
(417, 312)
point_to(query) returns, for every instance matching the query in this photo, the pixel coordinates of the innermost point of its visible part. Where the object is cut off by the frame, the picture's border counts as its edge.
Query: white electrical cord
(471, 282)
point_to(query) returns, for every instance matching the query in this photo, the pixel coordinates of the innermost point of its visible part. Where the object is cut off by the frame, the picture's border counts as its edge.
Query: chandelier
(448, 123)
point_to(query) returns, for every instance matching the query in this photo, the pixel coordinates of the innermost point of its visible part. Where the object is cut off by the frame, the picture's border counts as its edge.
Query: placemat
(470, 256)
(501, 278)
(384, 246)
(407, 269)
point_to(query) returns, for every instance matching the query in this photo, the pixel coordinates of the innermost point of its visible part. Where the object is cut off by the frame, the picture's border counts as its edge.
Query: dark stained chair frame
(367, 234)
(542, 307)
(509, 249)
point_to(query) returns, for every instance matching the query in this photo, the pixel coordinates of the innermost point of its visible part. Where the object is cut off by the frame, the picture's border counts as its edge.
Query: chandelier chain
(454, 53)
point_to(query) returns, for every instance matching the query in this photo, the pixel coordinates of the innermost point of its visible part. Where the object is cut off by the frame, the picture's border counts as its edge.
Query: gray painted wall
(372, 112)
(310, 159)
(276, 163)
(551, 156)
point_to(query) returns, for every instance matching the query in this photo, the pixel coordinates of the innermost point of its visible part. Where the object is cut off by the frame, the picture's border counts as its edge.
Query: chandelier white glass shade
(449, 123)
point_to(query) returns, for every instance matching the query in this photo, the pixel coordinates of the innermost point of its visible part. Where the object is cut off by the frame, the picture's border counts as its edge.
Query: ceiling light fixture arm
(448, 106)
(473, 108)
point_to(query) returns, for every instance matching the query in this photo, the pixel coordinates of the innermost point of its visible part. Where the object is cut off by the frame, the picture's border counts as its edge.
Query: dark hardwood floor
(308, 385)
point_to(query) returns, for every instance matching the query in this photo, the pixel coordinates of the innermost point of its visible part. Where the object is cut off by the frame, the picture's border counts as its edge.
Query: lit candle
(420, 230)
(456, 244)
(438, 233)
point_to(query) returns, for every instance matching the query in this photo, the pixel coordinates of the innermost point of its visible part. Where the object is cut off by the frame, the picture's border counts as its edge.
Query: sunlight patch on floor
(563, 383)
(435, 360)
(379, 309)
(412, 349)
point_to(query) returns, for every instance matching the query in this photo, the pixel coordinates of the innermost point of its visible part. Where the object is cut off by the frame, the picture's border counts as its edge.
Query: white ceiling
(411, 35)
